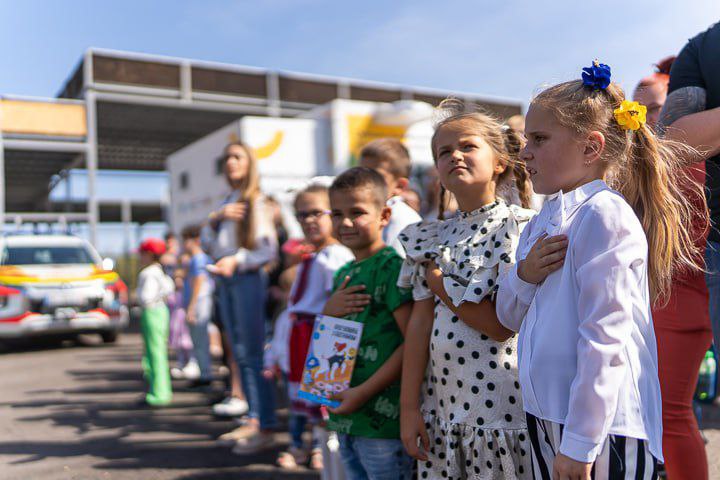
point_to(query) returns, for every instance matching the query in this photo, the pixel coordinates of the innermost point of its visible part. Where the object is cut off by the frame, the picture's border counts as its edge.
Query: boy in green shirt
(367, 420)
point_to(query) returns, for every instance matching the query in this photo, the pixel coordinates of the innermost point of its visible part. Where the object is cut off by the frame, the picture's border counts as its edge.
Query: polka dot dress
(471, 403)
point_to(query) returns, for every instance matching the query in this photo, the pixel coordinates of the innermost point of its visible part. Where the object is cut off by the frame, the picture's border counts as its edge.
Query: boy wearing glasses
(312, 287)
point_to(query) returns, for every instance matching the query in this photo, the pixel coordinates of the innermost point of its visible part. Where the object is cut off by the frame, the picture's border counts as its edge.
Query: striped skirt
(620, 457)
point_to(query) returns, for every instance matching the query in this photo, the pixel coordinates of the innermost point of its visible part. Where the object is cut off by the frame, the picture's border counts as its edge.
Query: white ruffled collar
(559, 207)
(489, 213)
(479, 211)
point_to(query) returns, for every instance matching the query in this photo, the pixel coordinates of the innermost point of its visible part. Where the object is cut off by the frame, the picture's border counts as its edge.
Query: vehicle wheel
(109, 337)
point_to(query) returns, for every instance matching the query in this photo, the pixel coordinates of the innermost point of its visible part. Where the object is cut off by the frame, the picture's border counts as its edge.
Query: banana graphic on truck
(263, 151)
(269, 148)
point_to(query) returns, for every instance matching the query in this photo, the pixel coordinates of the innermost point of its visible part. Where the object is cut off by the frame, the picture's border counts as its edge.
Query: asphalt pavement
(68, 411)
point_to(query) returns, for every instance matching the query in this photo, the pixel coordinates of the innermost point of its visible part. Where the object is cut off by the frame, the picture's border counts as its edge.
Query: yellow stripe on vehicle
(20, 280)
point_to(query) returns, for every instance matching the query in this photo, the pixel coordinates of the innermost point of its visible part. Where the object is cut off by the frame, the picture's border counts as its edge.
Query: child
(470, 421)
(586, 276)
(311, 289)
(197, 301)
(152, 291)
(391, 159)
(412, 199)
(367, 420)
(179, 339)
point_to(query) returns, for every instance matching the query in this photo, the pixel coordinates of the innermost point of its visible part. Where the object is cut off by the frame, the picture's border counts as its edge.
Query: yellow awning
(42, 118)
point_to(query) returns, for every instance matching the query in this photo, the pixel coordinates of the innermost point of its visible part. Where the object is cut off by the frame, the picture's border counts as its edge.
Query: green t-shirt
(379, 417)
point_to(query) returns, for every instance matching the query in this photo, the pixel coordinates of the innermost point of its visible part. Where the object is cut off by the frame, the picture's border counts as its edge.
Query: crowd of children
(498, 342)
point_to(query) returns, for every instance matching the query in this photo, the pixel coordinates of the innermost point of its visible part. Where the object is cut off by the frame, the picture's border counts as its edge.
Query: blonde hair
(648, 171)
(249, 193)
(504, 141)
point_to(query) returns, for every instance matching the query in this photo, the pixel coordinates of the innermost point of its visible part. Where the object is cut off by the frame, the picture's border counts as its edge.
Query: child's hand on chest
(546, 256)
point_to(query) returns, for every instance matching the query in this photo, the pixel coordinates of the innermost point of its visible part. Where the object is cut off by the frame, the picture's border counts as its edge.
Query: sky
(508, 48)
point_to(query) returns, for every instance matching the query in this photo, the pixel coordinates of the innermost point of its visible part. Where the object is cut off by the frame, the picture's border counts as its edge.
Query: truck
(290, 151)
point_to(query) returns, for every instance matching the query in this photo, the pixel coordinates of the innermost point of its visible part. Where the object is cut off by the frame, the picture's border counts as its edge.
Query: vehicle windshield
(45, 255)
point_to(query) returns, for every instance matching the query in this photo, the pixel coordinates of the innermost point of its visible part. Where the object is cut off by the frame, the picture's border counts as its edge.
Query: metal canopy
(141, 212)
(130, 111)
(140, 137)
(27, 176)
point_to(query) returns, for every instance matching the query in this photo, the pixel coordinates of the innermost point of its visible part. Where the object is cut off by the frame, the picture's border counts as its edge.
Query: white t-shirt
(320, 279)
(587, 349)
(402, 216)
(154, 287)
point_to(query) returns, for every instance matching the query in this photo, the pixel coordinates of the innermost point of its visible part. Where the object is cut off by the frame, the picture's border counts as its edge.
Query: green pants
(155, 323)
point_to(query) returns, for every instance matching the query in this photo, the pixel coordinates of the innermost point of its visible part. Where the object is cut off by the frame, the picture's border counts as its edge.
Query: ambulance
(56, 284)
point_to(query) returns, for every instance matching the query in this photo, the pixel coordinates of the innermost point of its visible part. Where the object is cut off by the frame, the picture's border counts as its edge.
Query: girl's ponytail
(669, 203)
(513, 145)
(442, 203)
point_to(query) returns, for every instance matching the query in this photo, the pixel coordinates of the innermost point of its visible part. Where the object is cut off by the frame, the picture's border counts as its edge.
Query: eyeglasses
(311, 215)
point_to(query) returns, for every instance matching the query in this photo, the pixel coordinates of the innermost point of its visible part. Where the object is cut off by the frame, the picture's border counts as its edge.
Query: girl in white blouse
(589, 267)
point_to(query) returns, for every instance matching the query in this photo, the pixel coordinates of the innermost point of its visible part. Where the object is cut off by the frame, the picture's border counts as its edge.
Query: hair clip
(596, 76)
(630, 115)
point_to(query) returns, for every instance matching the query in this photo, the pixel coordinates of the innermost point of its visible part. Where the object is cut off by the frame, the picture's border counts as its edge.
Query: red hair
(661, 75)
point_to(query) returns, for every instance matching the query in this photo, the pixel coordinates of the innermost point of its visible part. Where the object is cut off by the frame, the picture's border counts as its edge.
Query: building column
(91, 163)
(126, 219)
(273, 94)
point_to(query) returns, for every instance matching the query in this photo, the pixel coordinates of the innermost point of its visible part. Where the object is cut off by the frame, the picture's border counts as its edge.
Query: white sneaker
(253, 444)
(231, 407)
(191, 370)
(177, 373)
(232, 437)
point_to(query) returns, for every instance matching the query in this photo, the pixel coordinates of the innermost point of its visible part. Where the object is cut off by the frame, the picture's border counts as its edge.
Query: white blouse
(587, 349)
(319, 285)
(222, 240)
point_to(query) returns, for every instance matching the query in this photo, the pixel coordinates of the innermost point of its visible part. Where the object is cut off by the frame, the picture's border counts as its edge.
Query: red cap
(153, 245)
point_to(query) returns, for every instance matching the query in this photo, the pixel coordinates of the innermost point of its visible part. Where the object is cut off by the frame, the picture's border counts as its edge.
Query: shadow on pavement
(100, 419)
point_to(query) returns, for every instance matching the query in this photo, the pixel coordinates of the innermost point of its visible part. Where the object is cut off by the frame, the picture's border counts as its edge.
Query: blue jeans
(241, 302)
(296, 427)
(374, 458)
(200, 337)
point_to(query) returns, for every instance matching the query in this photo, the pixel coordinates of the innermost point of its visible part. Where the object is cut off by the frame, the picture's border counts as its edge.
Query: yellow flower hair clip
(630, 115)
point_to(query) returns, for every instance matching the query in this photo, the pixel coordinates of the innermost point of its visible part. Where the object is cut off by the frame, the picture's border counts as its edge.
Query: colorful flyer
(331, 358)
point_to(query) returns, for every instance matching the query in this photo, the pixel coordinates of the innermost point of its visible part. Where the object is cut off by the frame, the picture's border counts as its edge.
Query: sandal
(292, 459)
(316, 459)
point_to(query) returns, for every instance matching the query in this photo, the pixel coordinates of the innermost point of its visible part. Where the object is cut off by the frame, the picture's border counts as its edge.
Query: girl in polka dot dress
(461, 411)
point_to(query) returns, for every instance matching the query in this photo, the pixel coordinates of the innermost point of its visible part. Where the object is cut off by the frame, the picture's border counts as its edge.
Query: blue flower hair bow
(596, 76)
